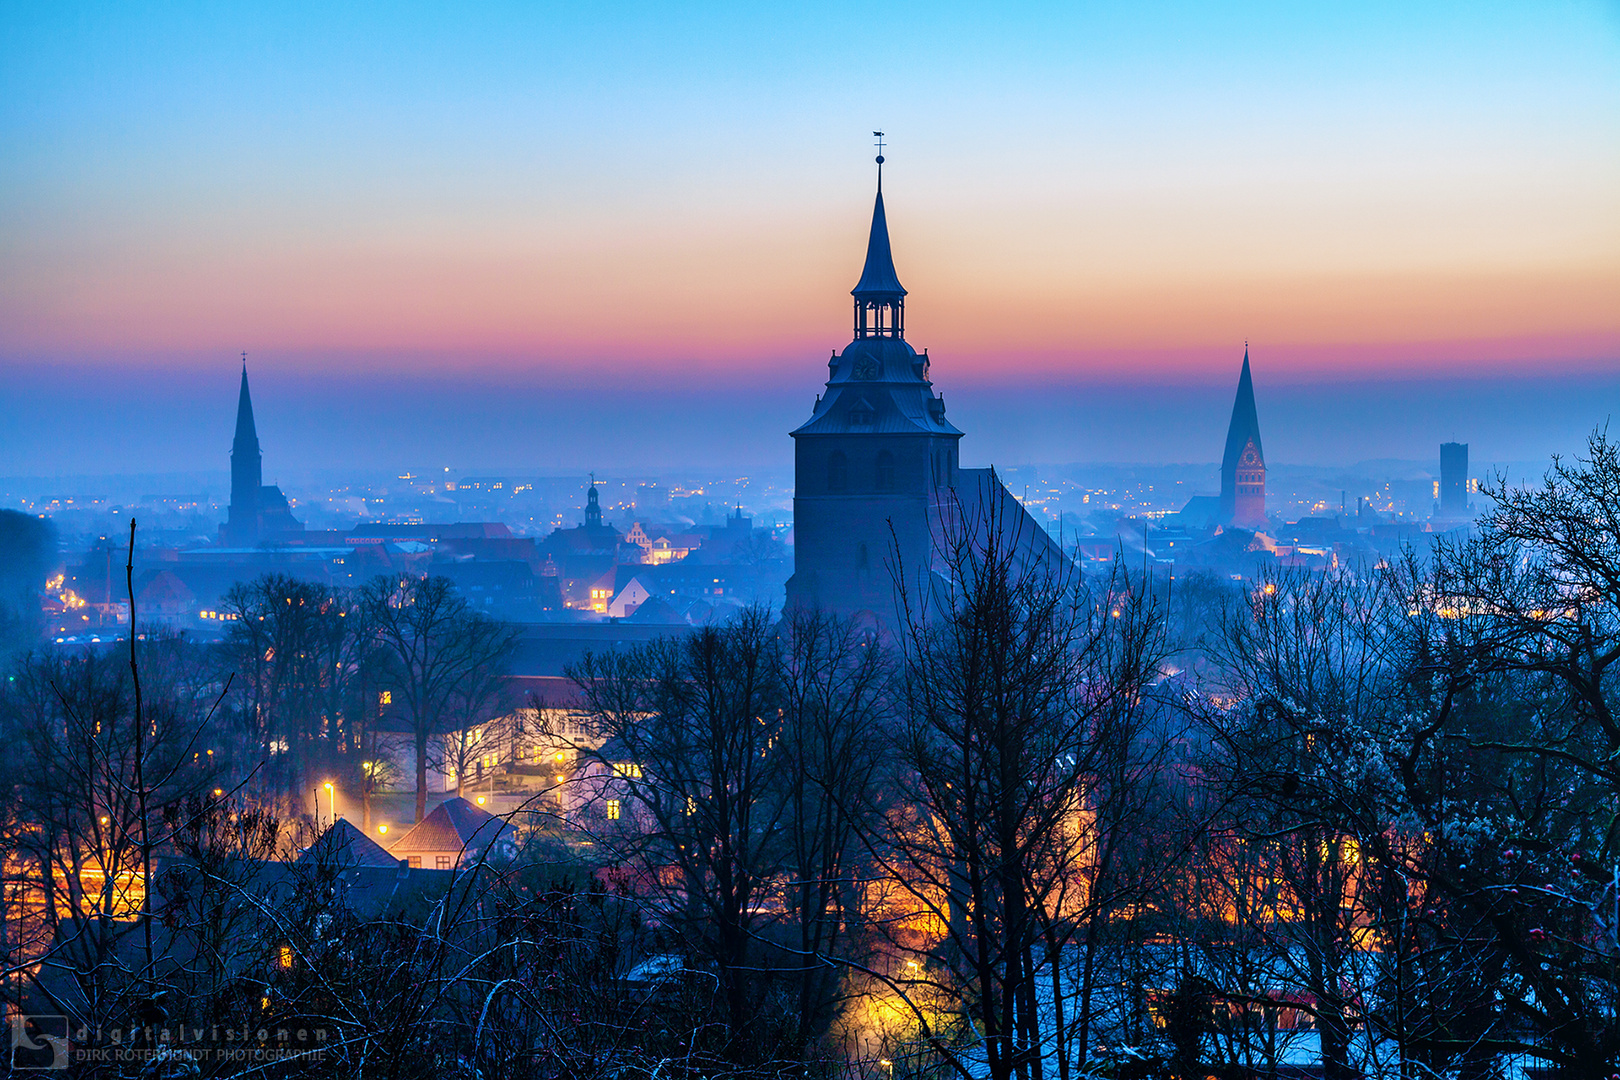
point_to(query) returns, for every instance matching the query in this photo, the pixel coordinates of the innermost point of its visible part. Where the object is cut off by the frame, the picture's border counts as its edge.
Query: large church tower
(873, 459)
(259, 512)
(247, 474)
(1243, 465)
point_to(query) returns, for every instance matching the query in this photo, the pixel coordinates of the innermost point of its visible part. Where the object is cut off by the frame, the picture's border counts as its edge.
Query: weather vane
(879, 136)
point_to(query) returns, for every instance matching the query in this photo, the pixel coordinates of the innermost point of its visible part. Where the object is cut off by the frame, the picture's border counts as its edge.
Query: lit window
(385, 698)
(627, 769)
(441, 862)
(613, 809)
(284, 957)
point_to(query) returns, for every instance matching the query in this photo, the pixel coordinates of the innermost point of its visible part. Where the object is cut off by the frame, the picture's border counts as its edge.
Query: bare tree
(690, 729)
(85, 773)
(1013, 676)
(297, 655)
(440, 654)
(837, 739)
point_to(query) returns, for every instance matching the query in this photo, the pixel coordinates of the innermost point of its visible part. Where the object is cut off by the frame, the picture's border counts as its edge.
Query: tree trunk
(421, 773)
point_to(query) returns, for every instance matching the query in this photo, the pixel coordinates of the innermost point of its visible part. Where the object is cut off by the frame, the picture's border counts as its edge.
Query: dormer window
(861, 413)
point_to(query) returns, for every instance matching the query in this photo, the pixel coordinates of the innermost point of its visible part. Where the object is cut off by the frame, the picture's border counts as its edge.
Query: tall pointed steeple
(880, 304)
(247, 434)
(247, 478)
(1243, 464)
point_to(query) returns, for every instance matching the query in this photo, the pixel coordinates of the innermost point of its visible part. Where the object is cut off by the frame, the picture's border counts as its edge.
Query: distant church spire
(593, 506)
(880, 305)
(1243, 464)
(242, 524)
(247, 434)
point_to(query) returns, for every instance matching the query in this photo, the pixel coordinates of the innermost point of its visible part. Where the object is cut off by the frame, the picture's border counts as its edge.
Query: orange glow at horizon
(712, 302)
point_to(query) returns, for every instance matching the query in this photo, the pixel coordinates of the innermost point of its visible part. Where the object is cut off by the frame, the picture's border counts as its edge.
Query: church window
(837, 471)
(885, 471)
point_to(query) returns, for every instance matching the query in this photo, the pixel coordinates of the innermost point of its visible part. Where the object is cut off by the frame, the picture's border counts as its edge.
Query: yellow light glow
(480, 800)
(382, 830)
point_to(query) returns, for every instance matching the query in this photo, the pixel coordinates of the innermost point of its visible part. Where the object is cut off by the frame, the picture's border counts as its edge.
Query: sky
(623, 234)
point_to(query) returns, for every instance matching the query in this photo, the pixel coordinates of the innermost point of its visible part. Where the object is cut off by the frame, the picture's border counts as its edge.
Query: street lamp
(331, 795)
(382, 830)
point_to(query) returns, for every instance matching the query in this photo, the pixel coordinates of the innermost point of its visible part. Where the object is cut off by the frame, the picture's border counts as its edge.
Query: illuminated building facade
(1243, 465)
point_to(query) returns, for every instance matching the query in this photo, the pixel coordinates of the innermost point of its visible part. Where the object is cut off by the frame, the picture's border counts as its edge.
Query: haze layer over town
(494, 581)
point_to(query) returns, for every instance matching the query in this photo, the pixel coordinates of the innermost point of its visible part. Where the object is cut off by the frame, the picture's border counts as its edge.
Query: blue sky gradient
(655, 195)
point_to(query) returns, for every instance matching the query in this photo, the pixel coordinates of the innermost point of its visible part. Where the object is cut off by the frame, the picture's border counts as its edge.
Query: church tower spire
(876, 461)
(1243, 464)
(593, 506)
(880, 299)
(242, 525)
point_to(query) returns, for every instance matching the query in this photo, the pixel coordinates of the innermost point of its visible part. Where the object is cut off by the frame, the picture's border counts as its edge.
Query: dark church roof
(1245, 422)
(878, 278)
(878, 385)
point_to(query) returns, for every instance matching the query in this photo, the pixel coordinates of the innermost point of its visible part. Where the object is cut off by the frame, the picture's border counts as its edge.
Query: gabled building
(455, 832)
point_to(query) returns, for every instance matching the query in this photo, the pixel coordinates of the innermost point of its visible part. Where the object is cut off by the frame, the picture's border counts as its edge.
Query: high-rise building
(258, 511)
(876, 473)
(1453, 479)
(1243, 465)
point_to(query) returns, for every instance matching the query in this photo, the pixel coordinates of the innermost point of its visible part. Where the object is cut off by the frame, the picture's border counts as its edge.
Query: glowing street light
(382, 830)
(331, 795)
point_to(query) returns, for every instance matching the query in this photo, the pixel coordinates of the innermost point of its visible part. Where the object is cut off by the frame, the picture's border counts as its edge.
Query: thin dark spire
(878, 279)
(247, 435)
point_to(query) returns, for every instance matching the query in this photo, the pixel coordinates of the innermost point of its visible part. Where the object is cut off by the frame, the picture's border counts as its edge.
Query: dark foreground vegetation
(1054, 826)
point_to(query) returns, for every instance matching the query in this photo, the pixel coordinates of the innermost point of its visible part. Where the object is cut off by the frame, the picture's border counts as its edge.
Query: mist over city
(643, 542)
